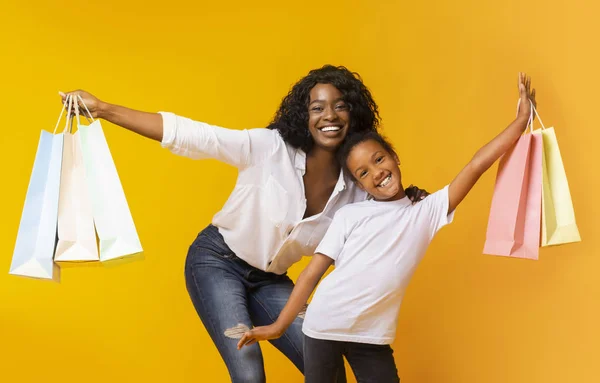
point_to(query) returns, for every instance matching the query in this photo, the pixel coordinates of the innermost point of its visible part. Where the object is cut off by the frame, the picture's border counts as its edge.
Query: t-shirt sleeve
(332, 243)
(436, 206)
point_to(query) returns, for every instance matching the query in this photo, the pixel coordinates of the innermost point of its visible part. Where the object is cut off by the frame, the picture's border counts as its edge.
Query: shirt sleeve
(436, 206)
(198, 140)
(332, 243)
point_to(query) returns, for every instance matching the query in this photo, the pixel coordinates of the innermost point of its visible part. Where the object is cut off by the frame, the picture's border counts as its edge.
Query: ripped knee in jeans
(236, 331)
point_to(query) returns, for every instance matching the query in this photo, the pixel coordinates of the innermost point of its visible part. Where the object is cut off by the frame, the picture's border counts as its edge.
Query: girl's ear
(396, 158)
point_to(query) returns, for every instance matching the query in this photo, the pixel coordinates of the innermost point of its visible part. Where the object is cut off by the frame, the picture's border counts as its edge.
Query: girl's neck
(401, 194)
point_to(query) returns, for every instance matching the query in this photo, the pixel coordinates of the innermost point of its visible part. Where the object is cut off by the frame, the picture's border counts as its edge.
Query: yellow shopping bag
(558, 216)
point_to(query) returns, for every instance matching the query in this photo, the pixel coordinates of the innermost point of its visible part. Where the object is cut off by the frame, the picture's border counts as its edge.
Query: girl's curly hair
(291, 119)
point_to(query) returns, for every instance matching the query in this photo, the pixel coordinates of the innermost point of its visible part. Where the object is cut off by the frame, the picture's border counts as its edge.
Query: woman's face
(328, 116)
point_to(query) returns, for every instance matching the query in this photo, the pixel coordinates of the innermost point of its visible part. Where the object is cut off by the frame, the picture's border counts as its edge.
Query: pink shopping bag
(515, 215)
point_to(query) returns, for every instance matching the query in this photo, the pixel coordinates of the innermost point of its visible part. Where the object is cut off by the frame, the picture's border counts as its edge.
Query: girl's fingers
(242, 342)
(245, 342)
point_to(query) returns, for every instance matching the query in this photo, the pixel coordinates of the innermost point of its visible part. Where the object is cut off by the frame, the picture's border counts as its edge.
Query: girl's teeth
(386, 181)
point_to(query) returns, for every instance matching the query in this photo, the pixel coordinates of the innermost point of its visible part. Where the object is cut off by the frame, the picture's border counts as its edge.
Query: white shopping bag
(76, 232)
(114, 224)
(36, 238)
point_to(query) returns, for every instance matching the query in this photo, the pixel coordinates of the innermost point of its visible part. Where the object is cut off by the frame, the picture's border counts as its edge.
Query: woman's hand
(93, 104)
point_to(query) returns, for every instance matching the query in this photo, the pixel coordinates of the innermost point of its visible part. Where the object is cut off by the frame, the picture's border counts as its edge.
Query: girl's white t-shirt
(376, 247)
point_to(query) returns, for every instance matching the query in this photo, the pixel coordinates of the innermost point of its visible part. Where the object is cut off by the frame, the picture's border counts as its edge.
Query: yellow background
(444, 74)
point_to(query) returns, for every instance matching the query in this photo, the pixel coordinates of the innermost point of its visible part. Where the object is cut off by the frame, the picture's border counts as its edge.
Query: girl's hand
(527, 96)
(258, 334)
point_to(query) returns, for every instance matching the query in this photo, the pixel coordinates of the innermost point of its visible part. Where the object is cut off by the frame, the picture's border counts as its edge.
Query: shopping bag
(112, 217)
(76, 232)
(558, 215)
(514, 222)
(36, 238)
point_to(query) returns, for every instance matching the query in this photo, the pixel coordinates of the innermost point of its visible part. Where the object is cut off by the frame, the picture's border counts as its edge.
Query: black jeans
(371, 363)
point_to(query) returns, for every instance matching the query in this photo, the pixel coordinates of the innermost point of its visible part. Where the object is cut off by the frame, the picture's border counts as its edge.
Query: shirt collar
(300, 160)
(401, 202)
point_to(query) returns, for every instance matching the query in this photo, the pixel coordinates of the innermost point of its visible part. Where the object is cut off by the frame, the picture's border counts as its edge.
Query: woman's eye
(317, 109)
(341, 107)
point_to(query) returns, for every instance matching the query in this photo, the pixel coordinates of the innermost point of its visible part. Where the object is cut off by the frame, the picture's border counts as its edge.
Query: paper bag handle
(66, 105)
(86, 109)
(539, 118)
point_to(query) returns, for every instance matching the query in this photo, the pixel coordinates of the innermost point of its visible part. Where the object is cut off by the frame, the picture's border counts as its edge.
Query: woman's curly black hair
(291, 119)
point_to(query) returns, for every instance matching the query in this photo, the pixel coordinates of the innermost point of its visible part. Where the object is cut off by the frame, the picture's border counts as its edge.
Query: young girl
(376, 246)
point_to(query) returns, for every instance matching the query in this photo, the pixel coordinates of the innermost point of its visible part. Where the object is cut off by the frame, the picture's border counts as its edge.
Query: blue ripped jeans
(231, 296)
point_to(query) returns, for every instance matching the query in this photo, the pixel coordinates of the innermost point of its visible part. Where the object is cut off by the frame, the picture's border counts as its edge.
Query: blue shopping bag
(36, 238)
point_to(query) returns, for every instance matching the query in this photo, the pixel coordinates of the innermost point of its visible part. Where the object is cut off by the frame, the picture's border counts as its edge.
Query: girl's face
(328, 116)
(376, 171)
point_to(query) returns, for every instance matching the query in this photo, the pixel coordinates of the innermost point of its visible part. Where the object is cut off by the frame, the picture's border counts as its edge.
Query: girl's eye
(363, 174)
(379, 159)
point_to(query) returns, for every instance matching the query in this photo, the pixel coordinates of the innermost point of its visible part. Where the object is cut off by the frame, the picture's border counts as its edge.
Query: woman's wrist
(103, 110)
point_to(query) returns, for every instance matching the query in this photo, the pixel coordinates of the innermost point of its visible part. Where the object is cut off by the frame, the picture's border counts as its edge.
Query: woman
(289, 187)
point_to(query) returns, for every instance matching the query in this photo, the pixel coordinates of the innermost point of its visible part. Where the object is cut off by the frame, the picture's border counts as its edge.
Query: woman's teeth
(385, 182)
(330, 129)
